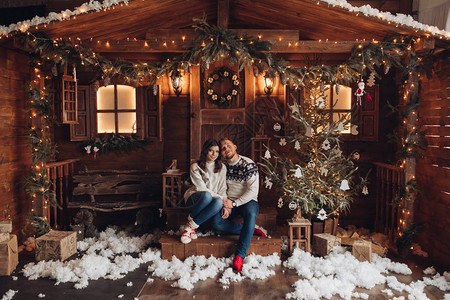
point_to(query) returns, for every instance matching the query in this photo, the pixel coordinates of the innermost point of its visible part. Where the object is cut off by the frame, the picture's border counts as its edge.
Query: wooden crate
(9, 256)
(324, 242)
(56, 245)
(362, 250)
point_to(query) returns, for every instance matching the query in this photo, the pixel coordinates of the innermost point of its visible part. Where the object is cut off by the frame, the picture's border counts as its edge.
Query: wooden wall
(15, 155)
(433, 170)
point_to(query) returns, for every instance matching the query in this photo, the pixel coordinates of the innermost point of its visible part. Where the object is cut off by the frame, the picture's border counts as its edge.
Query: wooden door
(210, 121)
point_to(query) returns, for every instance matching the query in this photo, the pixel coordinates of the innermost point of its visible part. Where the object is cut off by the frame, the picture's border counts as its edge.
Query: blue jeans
(203, 206)
(248, 212)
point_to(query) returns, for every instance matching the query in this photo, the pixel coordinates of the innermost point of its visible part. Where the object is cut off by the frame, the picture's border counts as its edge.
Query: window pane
(105, 123)
(126, 97)
(127, 122)
(105, 97)
(344, 99)
(337, 116)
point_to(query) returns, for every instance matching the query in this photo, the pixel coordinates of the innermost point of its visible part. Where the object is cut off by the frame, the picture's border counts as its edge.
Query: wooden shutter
(82, 130)
(367, 115)
(69, 100)
(149, 112)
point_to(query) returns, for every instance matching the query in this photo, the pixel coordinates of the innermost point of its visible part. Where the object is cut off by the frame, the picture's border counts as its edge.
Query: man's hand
(227, 203)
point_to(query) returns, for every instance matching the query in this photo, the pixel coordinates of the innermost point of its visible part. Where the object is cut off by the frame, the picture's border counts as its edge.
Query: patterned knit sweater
(242, 181)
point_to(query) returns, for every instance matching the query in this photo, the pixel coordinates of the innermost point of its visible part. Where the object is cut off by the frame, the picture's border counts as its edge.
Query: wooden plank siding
(433, 170)
(15, 157)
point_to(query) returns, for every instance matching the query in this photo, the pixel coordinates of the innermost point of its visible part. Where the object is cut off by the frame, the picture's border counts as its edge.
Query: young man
(243, 188)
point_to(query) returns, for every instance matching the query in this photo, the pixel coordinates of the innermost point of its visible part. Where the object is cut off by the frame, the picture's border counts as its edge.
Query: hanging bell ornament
(155, 89)
(344, 185)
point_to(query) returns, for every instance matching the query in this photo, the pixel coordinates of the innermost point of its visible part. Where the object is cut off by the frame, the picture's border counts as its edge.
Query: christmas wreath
(220, 75)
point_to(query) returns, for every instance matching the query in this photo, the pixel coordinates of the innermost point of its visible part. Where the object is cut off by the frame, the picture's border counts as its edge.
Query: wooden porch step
(267, 218)
(218, 246)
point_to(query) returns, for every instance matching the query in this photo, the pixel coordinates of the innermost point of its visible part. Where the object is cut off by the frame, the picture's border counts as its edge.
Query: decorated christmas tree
(313, 176)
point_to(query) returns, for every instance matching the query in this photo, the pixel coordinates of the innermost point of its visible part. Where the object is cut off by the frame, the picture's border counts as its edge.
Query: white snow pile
(401, 19)
(9, 294)
(105, 257)
(199, 268)
(63, 15)
(339, 273)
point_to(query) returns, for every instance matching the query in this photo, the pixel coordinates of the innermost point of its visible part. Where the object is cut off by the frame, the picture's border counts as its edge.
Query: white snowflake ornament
(297, 145)
(267, 154)
(365, 190)
(311, 165)
(267, 183)
(344, 185)
(322, 215)
(282, 142)
(280, 202)
(341, 126)
(326, 145)
(277, 127)
(298, 173)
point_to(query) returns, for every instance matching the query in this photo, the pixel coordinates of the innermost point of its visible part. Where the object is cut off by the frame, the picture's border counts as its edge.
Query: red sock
(258, 232)
(237, 263)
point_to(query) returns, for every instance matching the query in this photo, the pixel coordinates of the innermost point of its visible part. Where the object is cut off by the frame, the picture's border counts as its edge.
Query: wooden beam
(177, 46)
(425, 44)
(223, 13)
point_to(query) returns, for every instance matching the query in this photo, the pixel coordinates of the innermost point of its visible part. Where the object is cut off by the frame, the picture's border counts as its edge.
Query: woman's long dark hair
(202, 161)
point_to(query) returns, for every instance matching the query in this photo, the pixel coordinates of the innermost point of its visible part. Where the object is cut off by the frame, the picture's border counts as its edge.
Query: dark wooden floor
(275, 287)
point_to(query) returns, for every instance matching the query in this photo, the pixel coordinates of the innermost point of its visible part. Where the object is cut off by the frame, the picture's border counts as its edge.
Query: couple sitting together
(222, 192)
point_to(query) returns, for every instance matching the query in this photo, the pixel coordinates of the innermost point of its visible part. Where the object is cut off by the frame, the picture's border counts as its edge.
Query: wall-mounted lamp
(177, 82)
(269, 79)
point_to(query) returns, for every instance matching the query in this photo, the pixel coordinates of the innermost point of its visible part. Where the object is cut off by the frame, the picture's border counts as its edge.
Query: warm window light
(269, 79)
(116, 109)
(177, 82)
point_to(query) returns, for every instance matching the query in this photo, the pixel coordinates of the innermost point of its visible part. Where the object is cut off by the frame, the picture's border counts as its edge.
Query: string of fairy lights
(212, 44)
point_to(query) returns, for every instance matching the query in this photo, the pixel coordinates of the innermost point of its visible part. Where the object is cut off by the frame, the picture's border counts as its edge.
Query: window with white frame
(116, 109)
(339, 105)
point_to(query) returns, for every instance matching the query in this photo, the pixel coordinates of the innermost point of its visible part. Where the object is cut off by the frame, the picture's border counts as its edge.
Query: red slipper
(258, 232)
(237, 263)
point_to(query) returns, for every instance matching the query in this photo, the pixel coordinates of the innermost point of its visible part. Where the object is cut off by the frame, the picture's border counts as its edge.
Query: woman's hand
(226, 212)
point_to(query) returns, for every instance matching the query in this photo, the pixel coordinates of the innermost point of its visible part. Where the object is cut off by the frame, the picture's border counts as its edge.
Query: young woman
(204, 198)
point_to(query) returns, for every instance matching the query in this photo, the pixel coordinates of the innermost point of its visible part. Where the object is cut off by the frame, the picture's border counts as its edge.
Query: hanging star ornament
(298, 173)
(322, 215)
(344, 185)
(280, 202)
(295, 108)
(267, 183)
(267, 154)
(326, 145)
(282, 142)
(365, 190)
(297, 145)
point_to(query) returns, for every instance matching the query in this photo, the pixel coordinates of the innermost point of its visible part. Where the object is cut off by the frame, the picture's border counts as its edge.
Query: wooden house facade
(176, 124)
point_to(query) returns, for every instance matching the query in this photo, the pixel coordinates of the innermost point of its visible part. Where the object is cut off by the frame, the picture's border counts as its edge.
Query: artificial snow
(9, 295)
(429, 271)
(40, 295)
(105, 257)
(130, 283)
(14, 278)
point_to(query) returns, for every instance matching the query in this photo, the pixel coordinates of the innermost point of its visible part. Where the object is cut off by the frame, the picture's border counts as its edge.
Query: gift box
(56, 245)
(9, 256)
(362, 250)
(324, 242)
